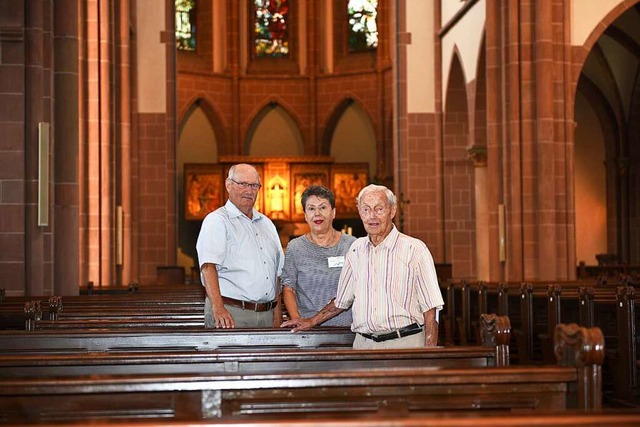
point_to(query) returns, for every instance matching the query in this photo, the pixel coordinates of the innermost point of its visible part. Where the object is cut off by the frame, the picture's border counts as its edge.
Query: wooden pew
(615, 313)
(78, 336)
(91, 289)
(607, 304)
(494, 352)
(195, 294)
(164, 283)
(536, 308)
(190, 339)
(169, 321)
(394, 417)
(627, 355)
(104, 340)
(165, 307)
(612, 271)
(237, 361)
(296, 393)
(88, 316)
(530, 307)
(196, 396)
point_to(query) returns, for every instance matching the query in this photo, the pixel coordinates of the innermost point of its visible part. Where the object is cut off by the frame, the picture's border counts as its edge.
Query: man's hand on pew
(222, 317)
(301, 324)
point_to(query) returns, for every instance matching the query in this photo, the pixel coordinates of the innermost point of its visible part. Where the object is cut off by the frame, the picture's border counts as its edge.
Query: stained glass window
(186, 25)
(363, 29)
(271, 28)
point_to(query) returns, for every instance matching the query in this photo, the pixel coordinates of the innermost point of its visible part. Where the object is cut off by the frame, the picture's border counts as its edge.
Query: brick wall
(154, 178)
(12, 149)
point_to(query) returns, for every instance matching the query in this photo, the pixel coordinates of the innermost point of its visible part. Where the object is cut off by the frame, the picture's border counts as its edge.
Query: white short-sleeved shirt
(247, 253)
(388, 286)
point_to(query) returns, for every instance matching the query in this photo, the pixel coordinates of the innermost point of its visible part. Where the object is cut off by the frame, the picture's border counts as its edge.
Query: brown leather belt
(253, 306)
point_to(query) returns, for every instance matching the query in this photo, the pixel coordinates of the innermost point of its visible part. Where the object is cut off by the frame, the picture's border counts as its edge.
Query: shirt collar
(389, 241)
(234, 212)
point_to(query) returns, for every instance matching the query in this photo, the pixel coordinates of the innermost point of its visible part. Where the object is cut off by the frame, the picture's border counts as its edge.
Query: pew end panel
(583, 349)
(495, 332)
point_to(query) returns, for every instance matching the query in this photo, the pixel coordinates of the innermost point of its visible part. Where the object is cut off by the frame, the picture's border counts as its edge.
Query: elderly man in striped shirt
(388, 279)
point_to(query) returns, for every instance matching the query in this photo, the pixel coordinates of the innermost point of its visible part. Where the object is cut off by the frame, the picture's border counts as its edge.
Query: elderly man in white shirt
(240, 257)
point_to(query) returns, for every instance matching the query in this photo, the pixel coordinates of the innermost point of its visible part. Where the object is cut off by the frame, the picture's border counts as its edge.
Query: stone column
(495, 134)
(545, 170)
(66, 136)
(37, 107)
(479, 157)
(124, 237)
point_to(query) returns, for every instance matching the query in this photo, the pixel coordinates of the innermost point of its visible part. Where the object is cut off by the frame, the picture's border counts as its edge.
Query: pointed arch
(480, 99)
(478, 152)
(330, 123)
(598, 31)
(605, 109)
(270, 117)
(199, 134)
(350, 136)
(458, 175)
(213, 116)
(595, 122)
(456, 60)
(608, 19)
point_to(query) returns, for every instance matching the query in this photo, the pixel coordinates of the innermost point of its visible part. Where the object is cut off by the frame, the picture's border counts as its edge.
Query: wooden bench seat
(189, 396)
(167, 321)
(160, 286)
(248, 361)
(140, 339)
(494, 352)
(610, 271)
(395, 418)
(117, 338)
(21, 313)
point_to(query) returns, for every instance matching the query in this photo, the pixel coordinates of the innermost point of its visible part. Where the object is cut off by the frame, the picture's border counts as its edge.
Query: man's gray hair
(371, 188)
(232, 170)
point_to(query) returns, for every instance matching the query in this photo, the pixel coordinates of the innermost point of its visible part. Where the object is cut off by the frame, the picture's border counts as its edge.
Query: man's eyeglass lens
(253, 186)
(378, 210)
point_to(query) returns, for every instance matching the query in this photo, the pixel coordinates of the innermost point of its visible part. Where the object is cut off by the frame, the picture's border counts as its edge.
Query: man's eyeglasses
(367, 210)
(253, 186)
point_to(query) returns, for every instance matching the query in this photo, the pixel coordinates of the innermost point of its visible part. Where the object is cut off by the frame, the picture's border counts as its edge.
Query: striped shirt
(388, 286)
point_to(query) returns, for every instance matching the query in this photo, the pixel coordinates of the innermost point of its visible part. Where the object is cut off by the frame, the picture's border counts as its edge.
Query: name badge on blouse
(335, 261)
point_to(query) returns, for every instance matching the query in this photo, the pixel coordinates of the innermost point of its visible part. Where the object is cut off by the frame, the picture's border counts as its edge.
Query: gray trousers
(242, 318)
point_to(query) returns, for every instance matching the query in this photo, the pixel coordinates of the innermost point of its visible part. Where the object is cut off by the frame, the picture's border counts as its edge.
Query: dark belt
(412, 329)
(253, 306)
